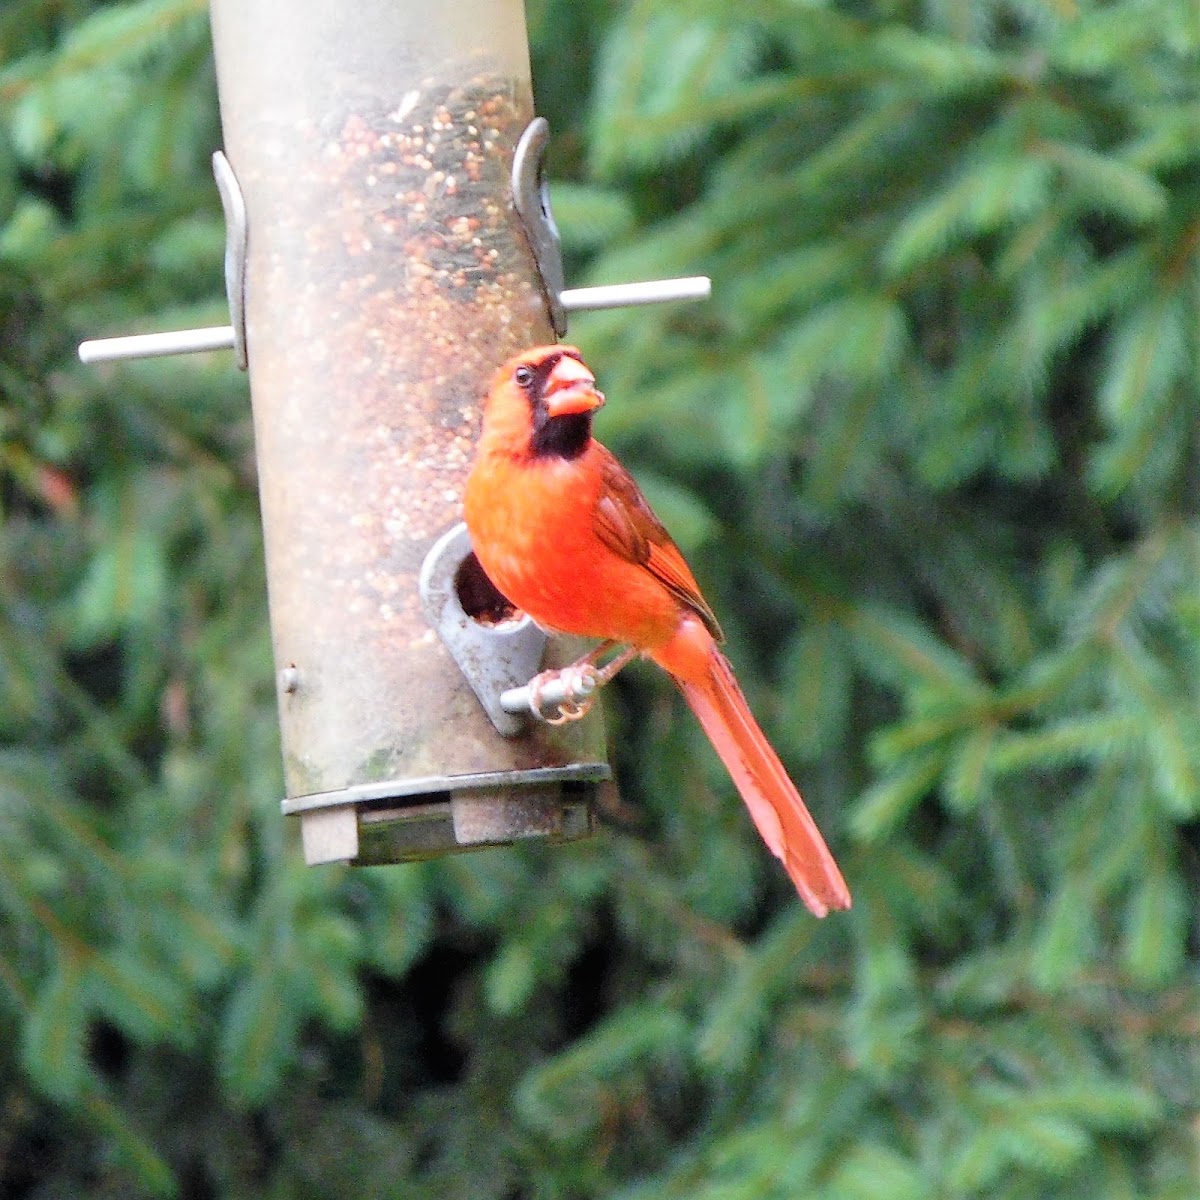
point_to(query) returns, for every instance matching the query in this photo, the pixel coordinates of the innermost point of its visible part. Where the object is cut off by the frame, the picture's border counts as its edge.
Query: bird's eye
(523, 376)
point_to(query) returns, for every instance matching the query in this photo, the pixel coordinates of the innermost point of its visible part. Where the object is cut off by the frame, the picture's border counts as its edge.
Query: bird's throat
(566, 437)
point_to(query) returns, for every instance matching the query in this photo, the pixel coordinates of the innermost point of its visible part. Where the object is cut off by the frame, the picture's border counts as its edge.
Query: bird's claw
(576, 685)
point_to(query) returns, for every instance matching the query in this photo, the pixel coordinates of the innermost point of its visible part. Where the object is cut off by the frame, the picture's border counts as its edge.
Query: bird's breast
(533, 527)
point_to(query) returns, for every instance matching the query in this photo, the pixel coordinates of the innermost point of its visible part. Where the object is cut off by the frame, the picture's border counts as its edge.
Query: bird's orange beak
(570, 388)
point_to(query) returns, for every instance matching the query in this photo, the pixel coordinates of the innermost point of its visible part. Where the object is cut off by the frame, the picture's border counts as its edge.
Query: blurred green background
(932, 449)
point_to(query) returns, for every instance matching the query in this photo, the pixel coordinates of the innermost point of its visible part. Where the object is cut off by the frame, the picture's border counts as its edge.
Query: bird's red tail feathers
(780, 814)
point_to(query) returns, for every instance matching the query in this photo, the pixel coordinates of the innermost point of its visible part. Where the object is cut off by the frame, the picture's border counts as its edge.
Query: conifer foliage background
(932, 448)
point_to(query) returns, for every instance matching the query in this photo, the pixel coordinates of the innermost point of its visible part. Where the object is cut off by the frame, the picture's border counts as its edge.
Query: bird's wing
(626, 524)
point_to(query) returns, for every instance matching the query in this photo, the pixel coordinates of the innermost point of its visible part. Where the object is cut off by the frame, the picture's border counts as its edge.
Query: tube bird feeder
(389, 244)
(387, 276)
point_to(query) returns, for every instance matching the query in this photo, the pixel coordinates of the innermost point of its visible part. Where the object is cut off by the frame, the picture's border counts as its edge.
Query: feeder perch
(389, 243)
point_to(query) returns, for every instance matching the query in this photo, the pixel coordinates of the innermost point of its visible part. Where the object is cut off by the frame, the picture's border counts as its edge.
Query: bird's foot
(565, 694)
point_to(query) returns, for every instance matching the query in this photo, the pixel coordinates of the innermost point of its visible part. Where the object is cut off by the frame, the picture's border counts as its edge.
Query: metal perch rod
(622, 295)
(221, 337)
(154, 345)
(571, 689)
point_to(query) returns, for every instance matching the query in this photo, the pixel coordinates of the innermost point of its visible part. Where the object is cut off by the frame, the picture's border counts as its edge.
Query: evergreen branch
(897, 742)
(123, 35)
(750, 100)
(1119, 586)
(913, 650)
(1183, 254)
(887, 802)
(1049, 677)
(149, 1168)
(69, 944)
(19, 992)
(637, 882)
(738, 1013)
(1083, 739)
(1106, 182)
(967, 772)
(1165, 731)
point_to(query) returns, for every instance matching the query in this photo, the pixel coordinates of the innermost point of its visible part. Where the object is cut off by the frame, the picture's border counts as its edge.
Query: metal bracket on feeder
(237, 234)
(498, 661)
(531, 199)
(495, 659)
(216, 337)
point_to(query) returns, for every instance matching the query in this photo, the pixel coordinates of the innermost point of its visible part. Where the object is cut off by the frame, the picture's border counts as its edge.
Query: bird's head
(544, 398)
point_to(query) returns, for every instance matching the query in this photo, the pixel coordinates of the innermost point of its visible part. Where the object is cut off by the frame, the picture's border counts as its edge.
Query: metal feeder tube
(387, 275)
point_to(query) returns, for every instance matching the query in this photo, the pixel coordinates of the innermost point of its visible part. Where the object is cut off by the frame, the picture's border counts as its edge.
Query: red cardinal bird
(562, 530)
